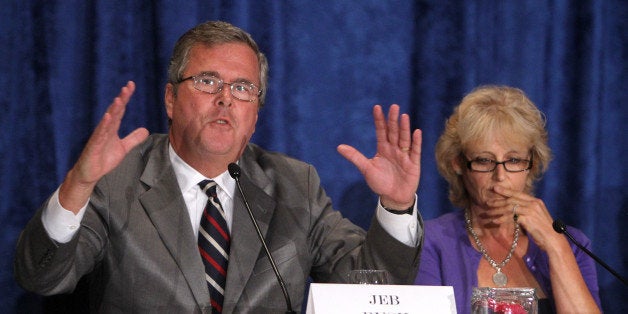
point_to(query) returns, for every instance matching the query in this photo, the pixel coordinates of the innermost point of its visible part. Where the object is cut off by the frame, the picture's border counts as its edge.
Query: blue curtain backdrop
(331, 61)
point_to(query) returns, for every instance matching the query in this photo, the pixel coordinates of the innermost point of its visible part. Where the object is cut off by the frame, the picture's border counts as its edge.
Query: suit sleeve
(338, 245)
(45, 266)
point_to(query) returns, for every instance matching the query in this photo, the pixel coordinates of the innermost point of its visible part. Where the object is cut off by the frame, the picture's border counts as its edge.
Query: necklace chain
(490, 260)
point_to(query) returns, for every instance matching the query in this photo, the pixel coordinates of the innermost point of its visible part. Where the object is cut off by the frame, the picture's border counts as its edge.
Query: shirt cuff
(404, 228)
(60, 223)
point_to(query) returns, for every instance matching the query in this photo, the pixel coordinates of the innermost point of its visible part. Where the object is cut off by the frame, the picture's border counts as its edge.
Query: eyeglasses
(489, 165)
(210, 84)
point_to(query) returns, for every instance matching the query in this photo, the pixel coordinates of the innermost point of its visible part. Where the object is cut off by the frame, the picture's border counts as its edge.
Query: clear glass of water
(369, 277)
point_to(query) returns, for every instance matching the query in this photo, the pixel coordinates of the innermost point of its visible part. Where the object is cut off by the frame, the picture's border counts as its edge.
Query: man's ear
(169, 96)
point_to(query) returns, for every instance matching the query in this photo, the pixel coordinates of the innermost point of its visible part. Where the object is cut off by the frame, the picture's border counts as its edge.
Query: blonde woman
(493, 149)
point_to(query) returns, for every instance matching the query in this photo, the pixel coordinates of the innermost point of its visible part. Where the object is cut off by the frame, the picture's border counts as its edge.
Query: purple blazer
(449, 259)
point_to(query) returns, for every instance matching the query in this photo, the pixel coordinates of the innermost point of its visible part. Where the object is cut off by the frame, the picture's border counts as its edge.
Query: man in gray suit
(128, 211)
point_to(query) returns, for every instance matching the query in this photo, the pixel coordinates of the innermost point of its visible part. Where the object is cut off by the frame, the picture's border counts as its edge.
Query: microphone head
(234, 170)
(559, 226)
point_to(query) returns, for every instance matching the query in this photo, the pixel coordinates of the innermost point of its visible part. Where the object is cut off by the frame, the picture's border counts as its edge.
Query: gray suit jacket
(137, 246)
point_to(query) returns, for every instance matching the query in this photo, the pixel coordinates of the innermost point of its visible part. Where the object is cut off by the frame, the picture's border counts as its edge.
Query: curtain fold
(330, 62)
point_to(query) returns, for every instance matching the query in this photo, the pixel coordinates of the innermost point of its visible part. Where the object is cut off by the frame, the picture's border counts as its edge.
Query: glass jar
(504, 301)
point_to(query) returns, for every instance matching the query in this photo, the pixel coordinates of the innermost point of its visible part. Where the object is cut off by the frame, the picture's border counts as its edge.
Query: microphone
(560, 227)
(235, 172)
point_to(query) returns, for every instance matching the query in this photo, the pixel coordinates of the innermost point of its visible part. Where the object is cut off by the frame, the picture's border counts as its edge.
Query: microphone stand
(560, 227)
(234, 171)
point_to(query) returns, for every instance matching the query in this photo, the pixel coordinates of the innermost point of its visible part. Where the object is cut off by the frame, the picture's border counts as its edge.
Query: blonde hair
(498, 109)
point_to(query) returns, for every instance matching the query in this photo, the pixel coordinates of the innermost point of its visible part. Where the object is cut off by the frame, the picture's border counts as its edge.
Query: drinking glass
(369, 277)
(504, 301)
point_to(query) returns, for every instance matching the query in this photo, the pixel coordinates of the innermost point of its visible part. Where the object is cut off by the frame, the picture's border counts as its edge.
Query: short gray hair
(209, 34)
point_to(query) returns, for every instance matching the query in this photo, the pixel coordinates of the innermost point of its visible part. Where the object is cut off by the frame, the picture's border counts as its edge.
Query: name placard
(326, 298)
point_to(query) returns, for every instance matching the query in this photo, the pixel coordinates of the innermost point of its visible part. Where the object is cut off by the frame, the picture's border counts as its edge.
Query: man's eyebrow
(242, 80)
(216, 74)
(211, 73)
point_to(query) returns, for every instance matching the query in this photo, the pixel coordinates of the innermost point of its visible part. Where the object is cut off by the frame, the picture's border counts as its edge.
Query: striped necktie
(213, 244)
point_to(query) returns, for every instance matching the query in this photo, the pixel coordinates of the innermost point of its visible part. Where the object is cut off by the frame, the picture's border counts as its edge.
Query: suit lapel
(246, 247)
(164, 205)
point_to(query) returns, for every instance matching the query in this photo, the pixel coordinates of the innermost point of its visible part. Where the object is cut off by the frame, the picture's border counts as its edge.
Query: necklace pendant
(500, 278)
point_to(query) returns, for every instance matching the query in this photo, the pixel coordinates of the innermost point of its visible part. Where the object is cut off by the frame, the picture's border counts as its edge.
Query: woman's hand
(570, 292)
(531, 214)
